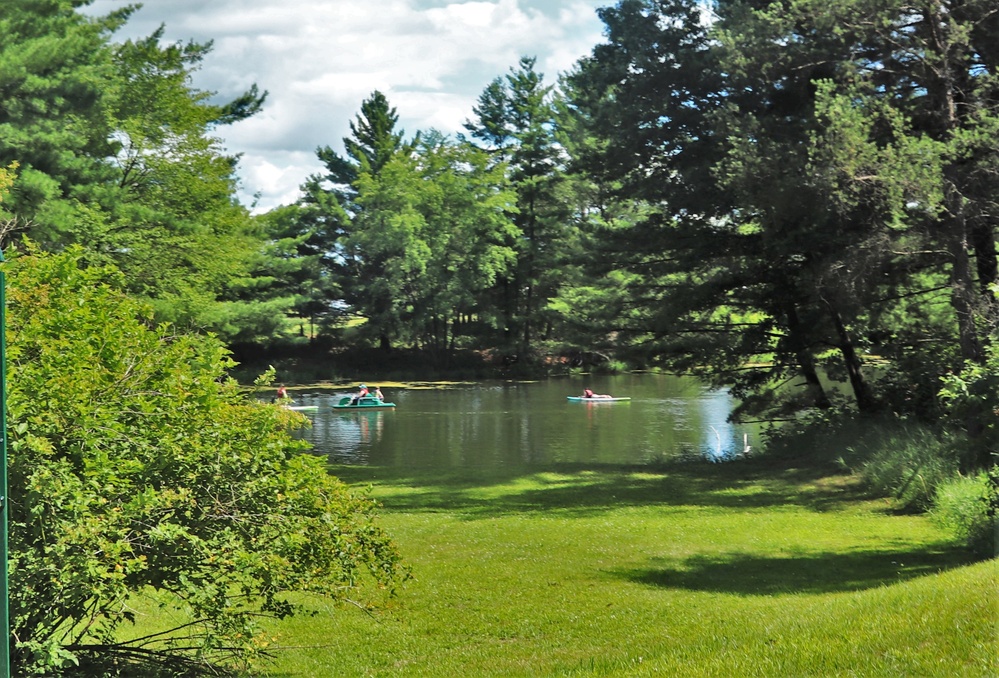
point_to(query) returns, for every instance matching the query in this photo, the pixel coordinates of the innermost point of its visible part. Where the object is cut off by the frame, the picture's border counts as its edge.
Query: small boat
(302, 408)
(581, 399)
(363, 403)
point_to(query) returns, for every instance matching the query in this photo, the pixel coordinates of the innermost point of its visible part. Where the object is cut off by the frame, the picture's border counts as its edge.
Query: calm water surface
(530, 424)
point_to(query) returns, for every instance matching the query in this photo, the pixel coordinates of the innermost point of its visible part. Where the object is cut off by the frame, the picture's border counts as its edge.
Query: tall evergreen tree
(291, 267)
(117, 153)
(54, 68)
(515, 120)
(329, 204)
(815, 169)
(173, 225)
(708, 303)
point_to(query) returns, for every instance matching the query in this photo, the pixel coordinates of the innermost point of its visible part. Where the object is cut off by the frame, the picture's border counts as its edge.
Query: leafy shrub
(834, 435)
(908, 461)
(962, 504)
(972, 396)
(135, 465)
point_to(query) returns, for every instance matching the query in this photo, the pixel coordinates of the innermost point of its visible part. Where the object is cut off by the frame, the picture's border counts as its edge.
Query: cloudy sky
(319, 59)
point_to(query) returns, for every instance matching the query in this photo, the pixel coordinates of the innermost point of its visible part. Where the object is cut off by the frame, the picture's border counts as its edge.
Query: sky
(319, 59)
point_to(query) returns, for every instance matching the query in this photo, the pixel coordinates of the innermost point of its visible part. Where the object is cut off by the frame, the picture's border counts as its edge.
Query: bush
(962, 504)
(136, 466)
(908, 462)
(895, 458)
(972, 397)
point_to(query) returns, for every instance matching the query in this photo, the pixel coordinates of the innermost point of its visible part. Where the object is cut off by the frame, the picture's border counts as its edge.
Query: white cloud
(278, 175)
(319, 59)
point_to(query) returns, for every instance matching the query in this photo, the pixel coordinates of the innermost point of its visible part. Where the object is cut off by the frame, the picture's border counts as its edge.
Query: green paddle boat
(363, 403)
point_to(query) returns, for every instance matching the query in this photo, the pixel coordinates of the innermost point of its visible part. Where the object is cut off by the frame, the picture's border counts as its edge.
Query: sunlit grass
(692, 571)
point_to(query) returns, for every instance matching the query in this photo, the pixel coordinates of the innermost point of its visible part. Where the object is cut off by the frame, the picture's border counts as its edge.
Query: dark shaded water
(530, 424)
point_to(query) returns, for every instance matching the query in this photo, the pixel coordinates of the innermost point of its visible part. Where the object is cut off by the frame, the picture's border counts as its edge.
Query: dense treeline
(765, 194)
(784, 198)
(821, 181)
(796, 200)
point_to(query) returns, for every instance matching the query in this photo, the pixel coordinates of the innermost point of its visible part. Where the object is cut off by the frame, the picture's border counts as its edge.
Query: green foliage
(515, 120)
(292, 271)
(7, 175)
(137, 466)
(971, 396)
(872, 164)
(902, 460)
(170, 222)
(908, 462)
(117, 154)
(53, 67)
(439, 223)
(329, 208)
(965, 505)
(818, 189)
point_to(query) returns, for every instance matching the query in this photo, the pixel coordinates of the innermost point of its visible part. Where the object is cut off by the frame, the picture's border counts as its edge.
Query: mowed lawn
(742, 569)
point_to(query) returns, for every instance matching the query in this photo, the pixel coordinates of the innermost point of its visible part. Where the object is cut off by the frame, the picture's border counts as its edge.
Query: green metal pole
(4, 588)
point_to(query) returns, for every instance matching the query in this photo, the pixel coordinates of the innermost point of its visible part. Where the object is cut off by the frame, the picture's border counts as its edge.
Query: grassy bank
(701, 570)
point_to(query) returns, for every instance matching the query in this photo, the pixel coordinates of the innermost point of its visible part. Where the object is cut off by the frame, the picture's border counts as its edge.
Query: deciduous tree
(439, 221)
(138, 469)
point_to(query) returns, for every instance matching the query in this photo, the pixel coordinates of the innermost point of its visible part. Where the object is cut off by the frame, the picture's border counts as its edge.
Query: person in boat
(282, 393)
(587, 393)
(378, 394)
(362, 391)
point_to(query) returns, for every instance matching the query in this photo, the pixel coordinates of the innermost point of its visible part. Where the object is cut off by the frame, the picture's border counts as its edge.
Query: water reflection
(349, 435)
(531, 424)
(724, 441)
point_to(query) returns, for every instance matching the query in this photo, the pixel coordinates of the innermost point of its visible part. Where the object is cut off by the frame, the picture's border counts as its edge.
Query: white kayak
(581, 399)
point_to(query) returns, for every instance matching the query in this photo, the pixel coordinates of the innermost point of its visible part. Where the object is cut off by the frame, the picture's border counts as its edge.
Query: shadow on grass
(579, 491)
(815, 573)
(582, 490)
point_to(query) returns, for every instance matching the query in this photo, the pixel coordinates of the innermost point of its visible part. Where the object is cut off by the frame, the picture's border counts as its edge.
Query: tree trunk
(525, 345)
(962, 299)
(962, 287)
(806, 362)
(866, 403)
(983, 240)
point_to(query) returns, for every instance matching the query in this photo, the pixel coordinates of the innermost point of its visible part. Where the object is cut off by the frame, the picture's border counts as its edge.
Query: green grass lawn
(741, 569)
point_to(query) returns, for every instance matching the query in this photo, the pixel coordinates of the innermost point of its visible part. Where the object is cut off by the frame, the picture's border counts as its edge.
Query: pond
(530, 424)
